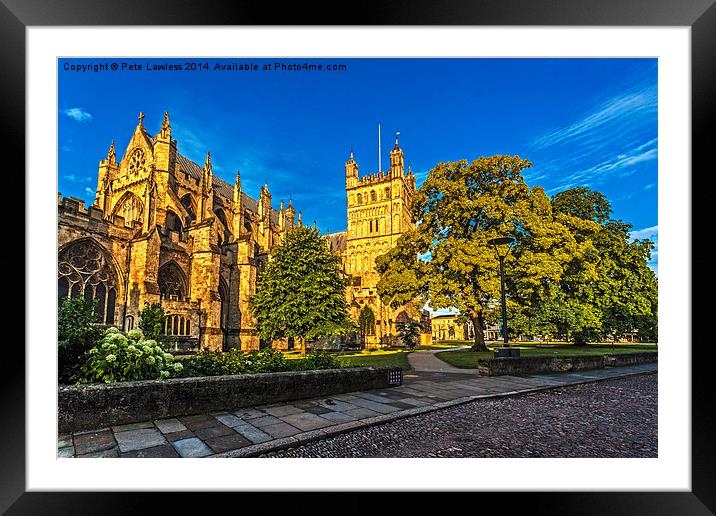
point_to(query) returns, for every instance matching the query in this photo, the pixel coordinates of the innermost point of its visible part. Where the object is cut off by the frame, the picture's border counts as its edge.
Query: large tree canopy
(606, 291)
(301, 293)
(457, 210)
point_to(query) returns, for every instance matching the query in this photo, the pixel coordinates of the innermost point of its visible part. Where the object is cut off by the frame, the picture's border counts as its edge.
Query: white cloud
(89, 191)
(78, 114)
(636, 102)
(72, 178)
(652, 231)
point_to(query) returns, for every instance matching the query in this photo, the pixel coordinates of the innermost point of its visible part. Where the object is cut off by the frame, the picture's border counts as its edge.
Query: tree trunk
(302, 343)
(479, 344)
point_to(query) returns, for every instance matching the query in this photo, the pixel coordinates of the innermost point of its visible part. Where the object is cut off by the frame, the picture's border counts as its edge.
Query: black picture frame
(700, 15)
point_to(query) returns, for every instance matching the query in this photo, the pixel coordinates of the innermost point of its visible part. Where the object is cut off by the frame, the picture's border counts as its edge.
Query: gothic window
(226, 234)
(171, 282)
(85, 270)
(130, 209)
(188, 204)
(129, 324)
(387, 193)
(224, 297)
(372, 195)
(360, 199)
(136, 161)
(371, 226)
(177, 325)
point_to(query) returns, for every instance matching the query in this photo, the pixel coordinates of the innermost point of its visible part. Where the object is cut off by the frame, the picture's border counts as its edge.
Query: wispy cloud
(73, 178)
(89, 191)
(637, 102)
(615, 139)
(78, 114)
(652, 231)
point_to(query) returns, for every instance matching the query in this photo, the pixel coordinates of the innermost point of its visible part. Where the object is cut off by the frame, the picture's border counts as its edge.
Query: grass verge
(468, 359)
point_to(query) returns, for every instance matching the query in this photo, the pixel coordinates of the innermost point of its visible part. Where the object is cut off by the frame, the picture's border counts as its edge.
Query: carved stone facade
(378, 214)
(164, 229)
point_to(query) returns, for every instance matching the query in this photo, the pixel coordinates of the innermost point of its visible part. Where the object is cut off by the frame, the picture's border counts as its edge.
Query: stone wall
(84, 407)
(628, 359)
(561, 363)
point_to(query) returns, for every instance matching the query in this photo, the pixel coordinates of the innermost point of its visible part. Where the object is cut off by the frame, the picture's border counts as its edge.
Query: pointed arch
(172, 281)
(130, 207)
(87, 270)
(189, 204)
(173, 221)
(225, 228)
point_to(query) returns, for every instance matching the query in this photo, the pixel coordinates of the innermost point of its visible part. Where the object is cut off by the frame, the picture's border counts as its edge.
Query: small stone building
(447, 328)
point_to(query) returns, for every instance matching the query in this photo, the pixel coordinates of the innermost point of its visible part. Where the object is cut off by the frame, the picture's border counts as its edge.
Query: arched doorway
(85, 270)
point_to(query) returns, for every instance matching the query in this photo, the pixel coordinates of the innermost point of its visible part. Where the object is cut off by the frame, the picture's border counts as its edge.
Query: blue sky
(581, 122)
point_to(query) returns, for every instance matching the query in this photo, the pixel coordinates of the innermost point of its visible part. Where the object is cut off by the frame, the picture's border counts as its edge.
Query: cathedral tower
(378, 214)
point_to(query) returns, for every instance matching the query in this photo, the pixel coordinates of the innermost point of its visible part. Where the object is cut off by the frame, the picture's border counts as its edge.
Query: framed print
(71, 64)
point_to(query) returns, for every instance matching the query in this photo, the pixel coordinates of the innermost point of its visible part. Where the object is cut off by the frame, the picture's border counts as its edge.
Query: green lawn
(375, 359)
(442, 345)
(468, 359)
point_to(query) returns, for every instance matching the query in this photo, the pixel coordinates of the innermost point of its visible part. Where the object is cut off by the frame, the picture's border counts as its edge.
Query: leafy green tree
(583, 203)
(613, 283)
(151, 321)
(76, 334)
(366, 321)
(457, 210)
(301, 293)
(409, 332)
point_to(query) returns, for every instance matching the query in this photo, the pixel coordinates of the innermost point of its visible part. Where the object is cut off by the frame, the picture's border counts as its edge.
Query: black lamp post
(504, 243)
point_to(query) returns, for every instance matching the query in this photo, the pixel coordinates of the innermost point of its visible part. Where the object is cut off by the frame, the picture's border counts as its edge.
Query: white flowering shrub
(123, 358)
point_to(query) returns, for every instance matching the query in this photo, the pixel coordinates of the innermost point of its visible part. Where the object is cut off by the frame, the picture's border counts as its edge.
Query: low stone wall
(85, 407)
(560, 363)
(627, 359)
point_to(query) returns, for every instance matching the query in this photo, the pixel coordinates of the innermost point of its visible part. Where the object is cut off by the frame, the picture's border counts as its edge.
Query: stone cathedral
(163, 229)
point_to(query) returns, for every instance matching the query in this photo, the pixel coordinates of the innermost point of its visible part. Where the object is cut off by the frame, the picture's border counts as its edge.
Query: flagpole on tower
(380, 167)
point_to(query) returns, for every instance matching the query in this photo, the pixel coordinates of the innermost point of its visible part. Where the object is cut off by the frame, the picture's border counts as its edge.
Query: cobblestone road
(612, 418)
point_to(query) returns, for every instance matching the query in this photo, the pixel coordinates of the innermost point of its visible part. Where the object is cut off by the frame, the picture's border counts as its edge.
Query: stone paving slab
(252, 432)
(192, 447)
(139, 439)
(281, 429)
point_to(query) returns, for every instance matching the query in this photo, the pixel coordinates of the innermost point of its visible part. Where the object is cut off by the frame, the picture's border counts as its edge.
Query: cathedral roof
(221, 187)
(337, 241)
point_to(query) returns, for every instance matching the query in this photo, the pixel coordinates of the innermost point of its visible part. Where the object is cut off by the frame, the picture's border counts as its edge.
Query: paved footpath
(426, 361)
(251, 432)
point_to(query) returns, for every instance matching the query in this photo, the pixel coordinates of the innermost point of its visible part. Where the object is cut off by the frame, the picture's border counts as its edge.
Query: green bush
(268, 360)
(320, 360)
(409, 332)
(76, 334)
(151, 321)
(123, 358)
(215, 363)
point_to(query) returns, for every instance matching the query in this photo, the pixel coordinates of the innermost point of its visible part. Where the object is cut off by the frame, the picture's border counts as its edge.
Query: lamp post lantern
(504, 243)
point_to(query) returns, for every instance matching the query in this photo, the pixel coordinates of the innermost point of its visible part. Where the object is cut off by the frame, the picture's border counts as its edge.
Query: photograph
(358, 257)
